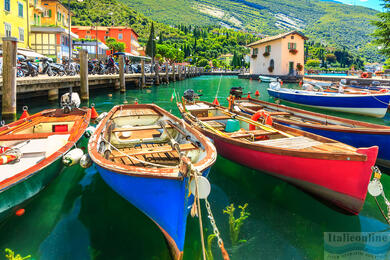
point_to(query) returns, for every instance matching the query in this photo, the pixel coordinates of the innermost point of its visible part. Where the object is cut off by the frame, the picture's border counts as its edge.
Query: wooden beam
(152, 150)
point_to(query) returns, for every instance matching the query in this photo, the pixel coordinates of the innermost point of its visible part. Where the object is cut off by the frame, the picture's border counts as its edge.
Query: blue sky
(375, 4)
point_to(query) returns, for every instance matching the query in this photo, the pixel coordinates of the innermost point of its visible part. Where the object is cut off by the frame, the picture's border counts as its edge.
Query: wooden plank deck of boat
(154, 153)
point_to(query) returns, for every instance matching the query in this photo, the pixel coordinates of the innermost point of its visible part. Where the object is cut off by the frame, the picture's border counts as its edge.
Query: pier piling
(173, 73)
(122, 82)
(9, 78)
(167, 72)
(157, 74)
(84, 87)
(52, 94)
(179, 72)
(143, 73)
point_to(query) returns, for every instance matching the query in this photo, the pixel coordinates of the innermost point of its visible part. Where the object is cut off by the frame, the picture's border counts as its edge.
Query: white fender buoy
(100, 117)
(72, 157)
(375, 187)
(89, 131)
(85, 161)
(204, 187)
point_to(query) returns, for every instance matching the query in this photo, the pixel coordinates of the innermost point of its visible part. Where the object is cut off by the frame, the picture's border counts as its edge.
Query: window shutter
(49, 12)
(295, 46)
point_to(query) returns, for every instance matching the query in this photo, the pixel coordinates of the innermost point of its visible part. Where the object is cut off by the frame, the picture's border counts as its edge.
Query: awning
(31, 54)
(132, 55)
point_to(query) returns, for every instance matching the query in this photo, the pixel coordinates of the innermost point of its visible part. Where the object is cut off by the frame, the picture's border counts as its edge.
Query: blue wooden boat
(363, 103)
(141, 152)
(352, 132)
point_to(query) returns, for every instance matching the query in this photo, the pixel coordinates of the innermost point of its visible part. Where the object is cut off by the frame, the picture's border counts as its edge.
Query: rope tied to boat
(196, 209)
(375, 188)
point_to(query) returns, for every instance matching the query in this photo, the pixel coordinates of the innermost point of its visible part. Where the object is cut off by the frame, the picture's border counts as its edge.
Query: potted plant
(299, 67)
(254, 56)
(266, 54)
(270, 69)
(293, 51)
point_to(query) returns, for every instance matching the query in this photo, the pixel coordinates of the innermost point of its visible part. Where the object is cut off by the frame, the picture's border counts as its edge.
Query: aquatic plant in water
(209, 253)
(10, 255)
(236, 224)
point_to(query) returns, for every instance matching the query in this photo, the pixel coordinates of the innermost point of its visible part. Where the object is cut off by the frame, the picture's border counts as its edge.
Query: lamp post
(69, 37)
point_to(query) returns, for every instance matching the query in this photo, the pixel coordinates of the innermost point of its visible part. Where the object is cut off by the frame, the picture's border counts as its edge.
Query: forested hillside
(326, 22)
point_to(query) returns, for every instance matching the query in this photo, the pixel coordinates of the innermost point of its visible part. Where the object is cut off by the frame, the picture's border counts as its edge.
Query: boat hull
(14, 195)
(165, 201)
(370, 105)
(340, 182)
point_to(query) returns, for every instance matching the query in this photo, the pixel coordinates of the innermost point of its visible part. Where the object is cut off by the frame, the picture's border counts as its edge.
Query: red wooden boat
(333, 171)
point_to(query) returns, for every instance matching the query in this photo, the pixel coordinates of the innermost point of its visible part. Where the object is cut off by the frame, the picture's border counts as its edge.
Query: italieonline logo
(357, 245)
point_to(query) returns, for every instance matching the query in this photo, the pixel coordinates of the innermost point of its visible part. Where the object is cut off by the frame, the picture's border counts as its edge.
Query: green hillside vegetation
(200, 45)
(328, 23)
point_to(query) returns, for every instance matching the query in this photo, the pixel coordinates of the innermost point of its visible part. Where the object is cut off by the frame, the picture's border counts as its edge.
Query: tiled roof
(276, 37)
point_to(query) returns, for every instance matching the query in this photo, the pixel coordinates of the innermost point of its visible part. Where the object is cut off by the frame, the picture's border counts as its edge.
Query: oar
(207, 125)
(252, 122)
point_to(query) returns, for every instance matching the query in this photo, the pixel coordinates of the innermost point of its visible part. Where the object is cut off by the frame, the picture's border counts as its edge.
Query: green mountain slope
(327, 22)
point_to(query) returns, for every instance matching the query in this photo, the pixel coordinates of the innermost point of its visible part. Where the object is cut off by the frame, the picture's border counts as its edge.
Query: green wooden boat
(38, 142)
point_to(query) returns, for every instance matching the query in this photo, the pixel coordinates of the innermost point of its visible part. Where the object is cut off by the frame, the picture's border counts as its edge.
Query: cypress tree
(151, 45)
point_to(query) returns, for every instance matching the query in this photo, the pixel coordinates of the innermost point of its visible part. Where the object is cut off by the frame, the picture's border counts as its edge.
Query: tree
(114, 45)
(313, 63)
(382, 33)
(151, 45)
(331, 58)
(202, 63)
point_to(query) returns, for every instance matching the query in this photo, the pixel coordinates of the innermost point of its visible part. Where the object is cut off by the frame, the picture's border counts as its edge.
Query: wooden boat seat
(135, 112)
(279, 113)
(139, 128)
(254, 133)
(212, 118)
(216, 124)
(148, 133)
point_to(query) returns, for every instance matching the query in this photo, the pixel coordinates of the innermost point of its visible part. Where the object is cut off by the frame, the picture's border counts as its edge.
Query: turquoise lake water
(79, 217)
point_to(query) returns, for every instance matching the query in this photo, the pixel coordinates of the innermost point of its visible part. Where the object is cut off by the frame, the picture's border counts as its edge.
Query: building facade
(14, 20)
(278, 55)
(50, 32)
(121, 33)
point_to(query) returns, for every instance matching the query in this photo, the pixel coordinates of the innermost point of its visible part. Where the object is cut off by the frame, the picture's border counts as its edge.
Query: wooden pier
(13, 87)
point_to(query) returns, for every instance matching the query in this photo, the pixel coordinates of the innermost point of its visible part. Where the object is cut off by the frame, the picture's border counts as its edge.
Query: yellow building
(49, 34)
(14, 21)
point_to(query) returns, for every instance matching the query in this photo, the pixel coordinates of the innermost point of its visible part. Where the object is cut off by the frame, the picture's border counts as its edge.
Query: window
(120, 36)
(292, 37)
(7, 27)
(268, 48)
(292, 46)
(7, 5)
(21, 34)
(20, 9)
(105, 37)
(255, 51)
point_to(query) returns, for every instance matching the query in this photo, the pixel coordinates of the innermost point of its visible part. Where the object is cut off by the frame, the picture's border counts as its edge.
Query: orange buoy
(25, 113)
(20, 212)
(300, 83)
(94, 114)
(136, 101)
(281, 83)
(257, 93)
(216, 102)
(249, 95)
